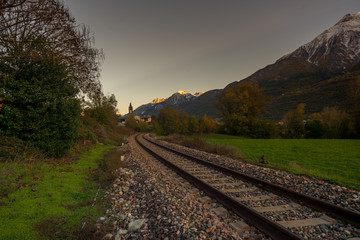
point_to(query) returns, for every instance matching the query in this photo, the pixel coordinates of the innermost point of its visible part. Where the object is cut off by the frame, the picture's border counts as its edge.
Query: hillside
(180, 98)
(317, 73)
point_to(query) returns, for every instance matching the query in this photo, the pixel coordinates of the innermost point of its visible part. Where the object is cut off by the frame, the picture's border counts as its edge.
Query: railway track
(243, 194)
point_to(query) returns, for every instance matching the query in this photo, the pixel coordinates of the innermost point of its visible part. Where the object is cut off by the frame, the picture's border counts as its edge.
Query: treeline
(170, 120)
(331, 122)
(50, 93)
(241, 108)
(140, 126)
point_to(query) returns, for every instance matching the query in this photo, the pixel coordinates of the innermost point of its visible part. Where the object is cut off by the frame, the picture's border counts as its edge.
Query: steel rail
(345, 214)
(264, 224)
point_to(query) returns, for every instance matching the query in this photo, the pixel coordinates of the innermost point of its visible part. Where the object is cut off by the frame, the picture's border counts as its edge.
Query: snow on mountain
(157, 104)
(157, 100)
(179, 98)
(338, 48)
(198, 94)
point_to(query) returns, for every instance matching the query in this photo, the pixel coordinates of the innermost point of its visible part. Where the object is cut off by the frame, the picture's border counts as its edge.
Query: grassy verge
(197, 143)
(334, 160)
(43, 200)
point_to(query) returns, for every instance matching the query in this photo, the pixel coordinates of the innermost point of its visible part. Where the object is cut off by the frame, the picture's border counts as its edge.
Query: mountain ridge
(176, 99)
(305, 75)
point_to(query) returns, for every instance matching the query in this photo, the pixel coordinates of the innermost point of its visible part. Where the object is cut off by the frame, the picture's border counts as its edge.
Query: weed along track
(278, 212)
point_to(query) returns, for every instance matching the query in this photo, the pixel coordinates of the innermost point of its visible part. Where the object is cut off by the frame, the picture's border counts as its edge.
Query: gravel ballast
(148, 201)
(164, 205)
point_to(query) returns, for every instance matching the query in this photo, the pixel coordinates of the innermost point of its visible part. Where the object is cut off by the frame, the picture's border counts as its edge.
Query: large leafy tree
(169, 121)
(241, 107)
(40, 106)
(47, 62)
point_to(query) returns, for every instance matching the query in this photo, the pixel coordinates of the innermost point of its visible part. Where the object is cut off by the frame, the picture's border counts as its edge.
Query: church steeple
(130, 109)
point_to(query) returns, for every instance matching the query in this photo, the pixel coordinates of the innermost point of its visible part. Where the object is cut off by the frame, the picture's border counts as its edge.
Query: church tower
(130, 109)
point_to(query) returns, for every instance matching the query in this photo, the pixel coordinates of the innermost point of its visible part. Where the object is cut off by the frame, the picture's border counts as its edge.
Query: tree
(193, 124)
(263, 129)
(336, 123)
(169, 121)
(103, 109)
(142, 126)
(183, 122)
(40, 106)
(130, 122)
(9, 4)
(354, 97)
(314, 129)
(294, 122)
(241, 107)
(43, 30)
(207, 125)
(46, 62)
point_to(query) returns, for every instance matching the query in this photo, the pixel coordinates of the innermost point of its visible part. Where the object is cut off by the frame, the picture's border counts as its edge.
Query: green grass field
(49, 201)
(334, 160)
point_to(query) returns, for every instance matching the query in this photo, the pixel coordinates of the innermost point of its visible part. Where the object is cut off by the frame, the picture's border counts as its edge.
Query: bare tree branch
(34, 30)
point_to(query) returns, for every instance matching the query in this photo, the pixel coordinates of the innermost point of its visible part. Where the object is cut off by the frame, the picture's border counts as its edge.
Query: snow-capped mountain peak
(157, 100)
(182, 92)
(338, 47)
(176, 99)
(198, 94)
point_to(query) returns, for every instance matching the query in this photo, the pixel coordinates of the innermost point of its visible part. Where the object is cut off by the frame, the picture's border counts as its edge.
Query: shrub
(314, 129)
(263, 129)
(294, 122)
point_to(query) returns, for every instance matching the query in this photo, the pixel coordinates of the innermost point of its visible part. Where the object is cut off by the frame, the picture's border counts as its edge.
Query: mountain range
(175, 100)
(317, 73)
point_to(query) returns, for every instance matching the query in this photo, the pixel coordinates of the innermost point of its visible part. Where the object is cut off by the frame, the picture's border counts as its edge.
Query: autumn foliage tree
(170, 120)
(241, 107)
(207, 125)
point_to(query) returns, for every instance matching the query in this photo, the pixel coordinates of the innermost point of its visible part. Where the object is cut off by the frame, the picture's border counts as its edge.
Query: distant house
(146, 118)
(137, 118)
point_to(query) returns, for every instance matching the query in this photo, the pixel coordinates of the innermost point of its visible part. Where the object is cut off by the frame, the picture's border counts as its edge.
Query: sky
(154, 48)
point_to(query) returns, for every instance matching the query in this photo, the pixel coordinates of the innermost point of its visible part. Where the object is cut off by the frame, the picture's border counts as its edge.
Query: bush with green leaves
(39, 105)
(294, 122)
(264, 129)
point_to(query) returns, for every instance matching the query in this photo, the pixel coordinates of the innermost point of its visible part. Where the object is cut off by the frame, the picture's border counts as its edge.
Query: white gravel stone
(136, 225)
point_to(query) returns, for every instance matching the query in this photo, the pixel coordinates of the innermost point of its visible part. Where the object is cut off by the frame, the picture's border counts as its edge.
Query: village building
(146, 118)
(131, 109)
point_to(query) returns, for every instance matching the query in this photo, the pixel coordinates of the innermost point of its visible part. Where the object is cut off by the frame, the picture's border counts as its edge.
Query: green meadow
(50, 201)
(333, 160)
